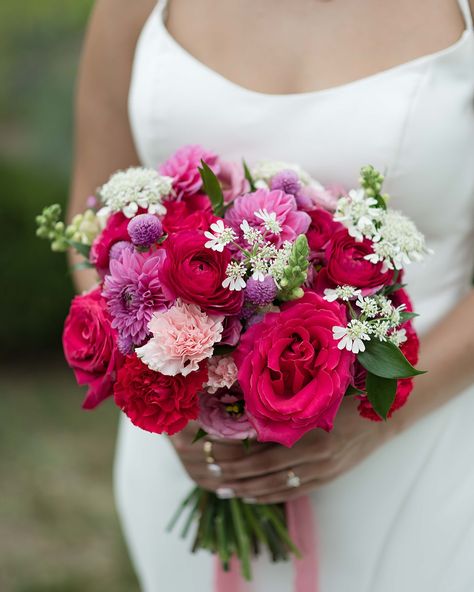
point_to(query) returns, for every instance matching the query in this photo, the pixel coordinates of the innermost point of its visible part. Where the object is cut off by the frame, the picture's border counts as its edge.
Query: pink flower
(233, 181)
(291, 221)
(321, 230)
(291, 371)
(191, 213)
(181, 337)
(223, 415)
(310, 197)
(90, 346)
(222, 373)
(115, 231)
(183, 165)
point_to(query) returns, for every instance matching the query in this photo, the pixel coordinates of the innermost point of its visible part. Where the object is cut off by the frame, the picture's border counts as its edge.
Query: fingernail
(214, 469)
(225, 493)
(249, 500)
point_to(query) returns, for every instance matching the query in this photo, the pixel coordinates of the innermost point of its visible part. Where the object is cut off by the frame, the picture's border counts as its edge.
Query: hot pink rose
(321, 229)
(90, 349)
(183, 165)
(115, 230)
(195, 274)
(223, 415)
(346, 265)
(192, 213)
(291, 371)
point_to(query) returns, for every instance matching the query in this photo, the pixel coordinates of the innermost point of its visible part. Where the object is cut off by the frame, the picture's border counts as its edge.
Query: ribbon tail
(300, 518)
(229, 581)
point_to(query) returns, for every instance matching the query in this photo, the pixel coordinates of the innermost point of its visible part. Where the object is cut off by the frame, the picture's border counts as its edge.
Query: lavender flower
(287, 181)
(144, 230)
(133, 293)
(261, 293)
(117, 248)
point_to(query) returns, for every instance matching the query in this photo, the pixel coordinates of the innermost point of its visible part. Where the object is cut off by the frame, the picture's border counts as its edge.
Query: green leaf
(80, 248)
(246, 444)
(199, 435)
(352, 390)
(381, 393)
(212, 187)
(384, 359)
(406, 316)
(248, 176)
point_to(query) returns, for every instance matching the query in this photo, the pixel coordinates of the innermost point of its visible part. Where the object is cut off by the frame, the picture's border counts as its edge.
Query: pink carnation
(223, 415)
(181, 337)
(222, 373)
(292, 222)
(183, 165)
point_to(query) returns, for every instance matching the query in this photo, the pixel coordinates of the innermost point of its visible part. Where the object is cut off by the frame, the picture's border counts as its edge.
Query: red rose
(346, 265)
(191, 213)
(195, 274)
(155, 402)
(321, 229)
(291, 371)
(410, 349)
(115, 230)
(89, 344)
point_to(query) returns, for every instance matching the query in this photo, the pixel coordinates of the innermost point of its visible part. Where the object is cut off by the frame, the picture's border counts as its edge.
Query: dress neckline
(160, 13)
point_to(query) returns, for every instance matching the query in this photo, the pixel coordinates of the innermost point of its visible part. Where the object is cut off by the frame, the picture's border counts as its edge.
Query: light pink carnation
(222, 373)
(223, 415)
(182, 337)
(292, 222)
(183, 165)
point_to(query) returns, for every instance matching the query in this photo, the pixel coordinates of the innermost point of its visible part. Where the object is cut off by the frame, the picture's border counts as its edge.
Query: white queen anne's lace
(359, 214)
(398, 241)
(134, 188)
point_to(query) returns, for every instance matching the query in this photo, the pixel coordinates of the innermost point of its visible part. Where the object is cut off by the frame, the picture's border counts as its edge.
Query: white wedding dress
(403, 520)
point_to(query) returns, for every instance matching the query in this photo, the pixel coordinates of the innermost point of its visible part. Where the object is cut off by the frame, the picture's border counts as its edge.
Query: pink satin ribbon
(302, 531)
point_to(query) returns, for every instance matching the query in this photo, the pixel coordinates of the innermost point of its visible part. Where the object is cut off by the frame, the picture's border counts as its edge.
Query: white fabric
(403, 520)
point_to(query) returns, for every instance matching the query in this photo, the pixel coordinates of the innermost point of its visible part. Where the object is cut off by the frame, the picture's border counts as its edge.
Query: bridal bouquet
(250, 300)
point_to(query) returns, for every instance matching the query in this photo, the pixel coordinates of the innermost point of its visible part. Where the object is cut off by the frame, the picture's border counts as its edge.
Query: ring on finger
(212, 466)
(292, 479)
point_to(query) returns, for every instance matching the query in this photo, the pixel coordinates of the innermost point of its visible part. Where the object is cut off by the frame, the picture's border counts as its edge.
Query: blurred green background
(58, 527)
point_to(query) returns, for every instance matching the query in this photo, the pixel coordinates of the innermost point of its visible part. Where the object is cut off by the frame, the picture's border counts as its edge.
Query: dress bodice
(414, 122)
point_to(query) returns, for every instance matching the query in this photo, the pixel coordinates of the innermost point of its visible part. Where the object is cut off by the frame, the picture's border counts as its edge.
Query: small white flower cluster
(264, 170)
(223, 235)
(373, 316)
(135, 188)
(260, 259)
(398, 242)
(359, 213)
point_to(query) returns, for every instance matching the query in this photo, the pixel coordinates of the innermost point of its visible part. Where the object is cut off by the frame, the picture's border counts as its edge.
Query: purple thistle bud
(117, 248)
(261, 293)
(144, 230)
(286, 181)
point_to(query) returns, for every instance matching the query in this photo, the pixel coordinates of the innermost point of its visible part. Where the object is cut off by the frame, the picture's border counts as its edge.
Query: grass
(58, 527)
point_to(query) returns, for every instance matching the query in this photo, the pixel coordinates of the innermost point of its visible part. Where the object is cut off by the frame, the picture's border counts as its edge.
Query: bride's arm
(103, 141)
(447, 353)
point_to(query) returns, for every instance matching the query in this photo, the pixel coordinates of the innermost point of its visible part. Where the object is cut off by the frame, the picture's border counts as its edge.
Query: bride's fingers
(268, 484)
(271, 460)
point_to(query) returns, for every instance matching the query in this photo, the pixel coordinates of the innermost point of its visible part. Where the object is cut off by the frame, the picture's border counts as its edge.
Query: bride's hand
(195, 460)
(316, 459)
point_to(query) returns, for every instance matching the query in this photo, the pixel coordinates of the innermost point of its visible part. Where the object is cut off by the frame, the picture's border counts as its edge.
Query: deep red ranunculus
(155, 402)
(90, 346)
(191, 213)
(195, 274)
(291, 371)
(115, 230)
(346, 265)
(410, 349)
(321, 229)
